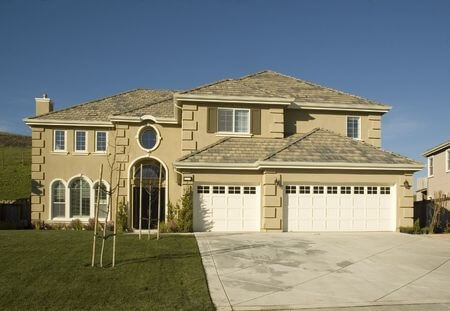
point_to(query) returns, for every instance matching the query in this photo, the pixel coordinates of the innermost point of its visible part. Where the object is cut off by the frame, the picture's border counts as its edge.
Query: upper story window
(233, 120)
(354, 127)
(80, 141)
(148, 138)
(101, 141)
(59, 140)
(430, 166)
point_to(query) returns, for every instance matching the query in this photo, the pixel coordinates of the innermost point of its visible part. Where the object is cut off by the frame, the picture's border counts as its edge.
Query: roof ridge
(144, 106)
(368, 145)
(95, 100)
(203, 149)
(325, 87)
(206, 85)
(290, 143)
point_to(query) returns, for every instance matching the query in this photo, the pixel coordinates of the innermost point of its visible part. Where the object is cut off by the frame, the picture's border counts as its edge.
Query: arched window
(80, 198)
(58, 199)
(103, 203)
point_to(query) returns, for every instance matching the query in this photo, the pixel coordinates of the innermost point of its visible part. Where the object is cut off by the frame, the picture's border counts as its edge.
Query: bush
(425, 230)
(122, 218)
(409, 230)
(179, 218)
(90, 225)
(38, 224)
(76, 224)
(416, 227)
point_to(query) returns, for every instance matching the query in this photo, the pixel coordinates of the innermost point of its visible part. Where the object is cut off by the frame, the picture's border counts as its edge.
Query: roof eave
(49, 122)
(300, 165)
(436, 149)
(134, 119)
(340, 107)
(285, 101)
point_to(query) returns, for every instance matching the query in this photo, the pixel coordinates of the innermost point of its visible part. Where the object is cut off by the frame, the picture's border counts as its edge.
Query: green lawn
(15, 177)
(50, 270)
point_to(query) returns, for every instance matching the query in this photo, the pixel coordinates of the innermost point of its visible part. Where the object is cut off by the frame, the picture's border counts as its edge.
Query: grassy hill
(15, 166)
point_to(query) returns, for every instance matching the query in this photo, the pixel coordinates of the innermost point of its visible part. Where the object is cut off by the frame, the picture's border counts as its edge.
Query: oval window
(148, 138)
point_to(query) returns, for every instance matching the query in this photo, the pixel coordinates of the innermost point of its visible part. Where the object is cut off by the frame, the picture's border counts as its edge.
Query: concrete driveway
(248, 271)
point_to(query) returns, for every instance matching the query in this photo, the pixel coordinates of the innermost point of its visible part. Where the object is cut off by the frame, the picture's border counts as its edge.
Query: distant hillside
(14, 140)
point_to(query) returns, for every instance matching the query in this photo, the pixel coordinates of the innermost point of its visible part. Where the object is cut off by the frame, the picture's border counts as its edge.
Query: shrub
(425, 230)
(76, 224)
(59, 226)
(416, 227)
(122, 217)
(90, 225)
(37, 224)
(186, 212)
(409, 230)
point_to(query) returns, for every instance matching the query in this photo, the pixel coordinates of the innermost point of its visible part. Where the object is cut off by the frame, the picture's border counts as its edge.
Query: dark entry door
(145, 205)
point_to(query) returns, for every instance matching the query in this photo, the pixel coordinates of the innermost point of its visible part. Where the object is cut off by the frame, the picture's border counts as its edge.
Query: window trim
(430, 164)
(94, 201)
(106, 138)
(86, 139)
(50, 199)
(233, 132)
(54, 140)
(158, 137)
(447, 160)
(359, 127)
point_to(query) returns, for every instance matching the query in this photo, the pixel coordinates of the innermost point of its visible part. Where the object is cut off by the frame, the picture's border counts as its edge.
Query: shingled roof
(317, 146)
(102, 109)
(159, 103)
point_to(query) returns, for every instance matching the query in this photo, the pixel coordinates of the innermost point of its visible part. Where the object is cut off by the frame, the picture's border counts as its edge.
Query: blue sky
(395, 52)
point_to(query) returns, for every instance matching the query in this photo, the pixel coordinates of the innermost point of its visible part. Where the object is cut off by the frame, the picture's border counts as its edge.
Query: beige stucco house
(264, 152)
(438, 172)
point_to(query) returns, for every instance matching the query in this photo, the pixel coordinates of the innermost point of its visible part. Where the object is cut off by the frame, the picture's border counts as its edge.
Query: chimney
(43, 105)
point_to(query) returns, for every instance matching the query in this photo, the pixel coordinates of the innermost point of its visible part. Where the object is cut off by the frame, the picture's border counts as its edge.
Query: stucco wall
(303, 121)
(441, 178)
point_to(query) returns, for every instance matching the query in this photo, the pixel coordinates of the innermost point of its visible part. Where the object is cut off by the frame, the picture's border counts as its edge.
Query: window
(430, 166)
(59, 140)
(234, 190)
(291, 189)
(202, 189)
(80, 141)
(331, 190)
(231, 120)
(103, 202)
(304, 189)
(218, 189)
(358, 190)
(148, 138)
(346, 190)
(371, 190)
(318, 189)
(58, 199)
(249, 190)
(80, 198)
(100, 141)
(354, 127)
(385, 190)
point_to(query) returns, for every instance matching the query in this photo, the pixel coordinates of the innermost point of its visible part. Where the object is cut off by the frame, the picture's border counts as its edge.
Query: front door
(149, 202)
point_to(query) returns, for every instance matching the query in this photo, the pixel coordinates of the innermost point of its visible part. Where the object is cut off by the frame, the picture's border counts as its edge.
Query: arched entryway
(148, 187)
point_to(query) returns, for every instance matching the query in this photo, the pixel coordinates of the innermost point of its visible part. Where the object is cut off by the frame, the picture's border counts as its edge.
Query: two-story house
(264, 152)
(438, 172)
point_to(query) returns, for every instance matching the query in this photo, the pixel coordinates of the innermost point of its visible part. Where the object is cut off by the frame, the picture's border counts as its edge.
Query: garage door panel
(350, 208)
(235, 208)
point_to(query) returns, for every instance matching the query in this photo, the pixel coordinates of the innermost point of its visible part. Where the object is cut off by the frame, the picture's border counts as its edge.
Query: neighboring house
(265, 152)
(438, 172)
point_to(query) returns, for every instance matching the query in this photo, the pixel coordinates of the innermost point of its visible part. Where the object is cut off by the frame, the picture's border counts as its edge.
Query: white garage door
(339, 208)
(226, 208)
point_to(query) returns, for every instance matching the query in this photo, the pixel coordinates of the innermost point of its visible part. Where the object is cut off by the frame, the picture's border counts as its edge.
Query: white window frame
(447, 159)
(106, 147)
(234, 120)
(430, 165)
(359, 127)
(54, 140)
(85, 142)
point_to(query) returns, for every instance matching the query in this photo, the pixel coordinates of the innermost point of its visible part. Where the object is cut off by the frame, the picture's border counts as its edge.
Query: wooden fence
(15, 214)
